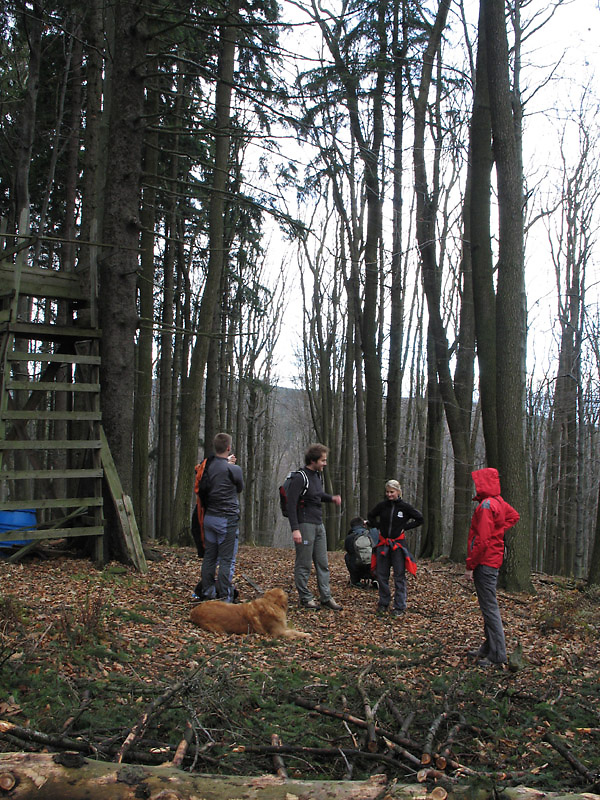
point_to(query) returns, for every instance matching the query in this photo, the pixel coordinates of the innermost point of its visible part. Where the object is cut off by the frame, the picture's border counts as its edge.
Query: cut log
(42, 776)
(69, 776)
(280, 769)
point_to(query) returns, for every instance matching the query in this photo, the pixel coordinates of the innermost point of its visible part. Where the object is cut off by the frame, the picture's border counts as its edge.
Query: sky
(567, 52)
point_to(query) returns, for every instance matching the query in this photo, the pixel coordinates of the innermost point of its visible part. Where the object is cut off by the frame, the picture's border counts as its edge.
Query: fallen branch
(443, 758)
(86, 702)
(404, 722)
(138, 729)
(324, 752)
(369, 716)
(183, 745)
(564, 751)
(361, 723)
(56, 742)
(255, 586)
(431, 733)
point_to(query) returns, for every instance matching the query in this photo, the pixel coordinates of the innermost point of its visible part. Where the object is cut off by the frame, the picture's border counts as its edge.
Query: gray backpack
(363, 548)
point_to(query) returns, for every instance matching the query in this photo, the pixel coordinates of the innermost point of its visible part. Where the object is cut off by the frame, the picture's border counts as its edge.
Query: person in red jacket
(485, 553)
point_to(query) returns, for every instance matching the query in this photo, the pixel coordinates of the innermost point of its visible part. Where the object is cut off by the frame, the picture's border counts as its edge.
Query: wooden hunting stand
(51, 439)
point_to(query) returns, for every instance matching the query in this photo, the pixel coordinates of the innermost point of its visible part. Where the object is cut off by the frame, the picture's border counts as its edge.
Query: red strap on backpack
(199, 507)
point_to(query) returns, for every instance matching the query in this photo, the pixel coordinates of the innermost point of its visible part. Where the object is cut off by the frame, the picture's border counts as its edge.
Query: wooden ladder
(50, 421)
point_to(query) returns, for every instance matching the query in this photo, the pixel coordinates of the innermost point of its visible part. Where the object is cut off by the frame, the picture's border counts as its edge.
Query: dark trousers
(494, 646)
(358, 572)
(391, 559)
(221, 536)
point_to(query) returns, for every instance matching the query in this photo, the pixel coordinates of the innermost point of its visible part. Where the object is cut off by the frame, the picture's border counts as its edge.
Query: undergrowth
(236, 708)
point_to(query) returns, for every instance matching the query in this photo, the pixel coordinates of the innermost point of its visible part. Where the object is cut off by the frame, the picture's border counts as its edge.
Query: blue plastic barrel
(9, 520)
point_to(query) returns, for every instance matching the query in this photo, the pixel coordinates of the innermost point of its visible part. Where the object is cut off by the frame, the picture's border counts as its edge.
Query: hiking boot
(309, 604)
(486, 663)
(475, 653)
(331, 604)
(381, 611)
(397, 613)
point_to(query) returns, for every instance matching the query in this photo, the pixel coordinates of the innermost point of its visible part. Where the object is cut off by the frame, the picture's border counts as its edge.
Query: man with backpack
(305, 494)
(224, 482)
(359, 545)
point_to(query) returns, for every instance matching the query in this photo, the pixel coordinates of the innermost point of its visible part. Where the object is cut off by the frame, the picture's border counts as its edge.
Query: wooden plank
(114, 484)
(140, 558)
(54, 288)
(26, 474)
(52, 386)
(53, 533)
(44, 333)
(50, 502)
(22, 552)
(47, 444)
(125, 528)
(61, 358)
(82, 416)
(39, 273)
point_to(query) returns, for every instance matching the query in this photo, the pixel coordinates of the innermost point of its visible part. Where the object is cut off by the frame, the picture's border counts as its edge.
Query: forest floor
(88, 656)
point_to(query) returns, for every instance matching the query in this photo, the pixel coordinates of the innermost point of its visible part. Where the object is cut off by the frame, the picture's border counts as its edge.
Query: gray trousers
(312, 550)
(494, 646)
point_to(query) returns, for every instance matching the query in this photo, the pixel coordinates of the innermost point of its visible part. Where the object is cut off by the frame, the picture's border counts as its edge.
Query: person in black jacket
(221, 523)
(305, 496)
(392, 517)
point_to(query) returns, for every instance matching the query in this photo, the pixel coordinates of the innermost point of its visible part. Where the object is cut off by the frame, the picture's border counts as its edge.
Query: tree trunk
(369, 150)
(458, 419)
(144, 376)
(393, 404)
(193, 385)
(484, 298)
(33, 24)
(68, 776)
(511, 333)
(594, 571)
(119, 262)
(432, 541)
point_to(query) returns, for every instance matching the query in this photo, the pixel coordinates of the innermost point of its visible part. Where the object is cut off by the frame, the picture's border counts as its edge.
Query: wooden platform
(50, 419)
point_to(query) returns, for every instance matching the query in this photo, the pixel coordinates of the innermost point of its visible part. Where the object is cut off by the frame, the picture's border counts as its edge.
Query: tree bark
(69, 776)
(484, 298)
(393, 403)
(427, 202)
(511, 333)
(369, 150)
(143, 387)
(594, 572)
(119, 262)
(193, 385)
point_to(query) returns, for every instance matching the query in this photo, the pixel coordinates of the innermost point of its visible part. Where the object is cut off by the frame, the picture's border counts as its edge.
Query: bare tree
(511, 332)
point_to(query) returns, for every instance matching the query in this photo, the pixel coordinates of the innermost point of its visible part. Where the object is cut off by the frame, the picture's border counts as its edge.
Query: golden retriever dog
(266, 614)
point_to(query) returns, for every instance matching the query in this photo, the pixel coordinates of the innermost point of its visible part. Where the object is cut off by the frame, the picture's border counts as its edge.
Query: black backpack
(285, 487)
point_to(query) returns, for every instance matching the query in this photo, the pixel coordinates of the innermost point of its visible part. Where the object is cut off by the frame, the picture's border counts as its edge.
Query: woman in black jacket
(393, 517)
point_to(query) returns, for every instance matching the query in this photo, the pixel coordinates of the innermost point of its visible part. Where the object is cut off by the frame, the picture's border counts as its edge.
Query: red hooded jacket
(492, 517)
